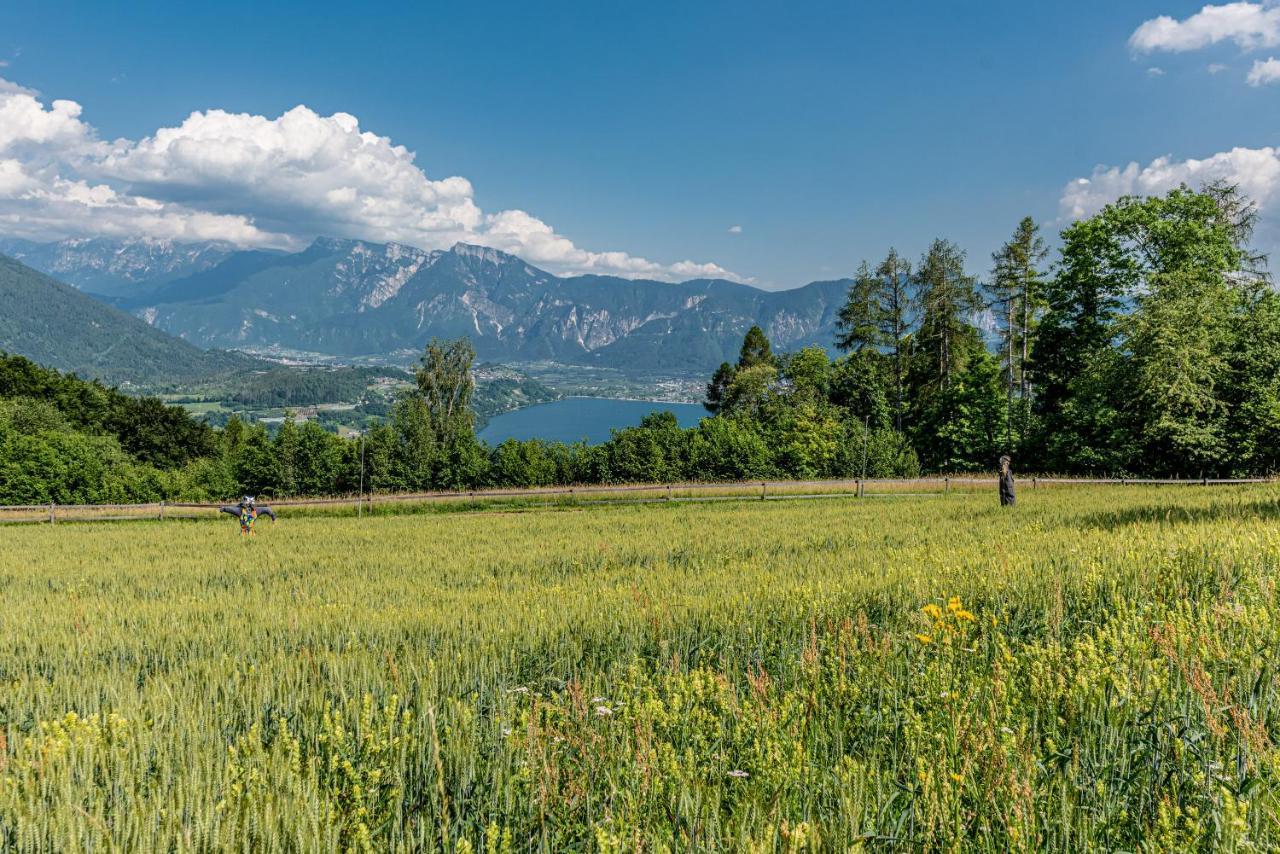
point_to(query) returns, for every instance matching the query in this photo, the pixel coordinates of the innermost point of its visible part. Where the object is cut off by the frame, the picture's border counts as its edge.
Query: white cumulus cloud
(1248, 25)
(1264, 72)
(259, 181)
(1255, 170)
(735, 229)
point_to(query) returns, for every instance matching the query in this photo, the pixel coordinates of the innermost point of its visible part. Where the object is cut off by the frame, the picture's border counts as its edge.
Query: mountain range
(348, 298)
(60, 327)
(116, 267)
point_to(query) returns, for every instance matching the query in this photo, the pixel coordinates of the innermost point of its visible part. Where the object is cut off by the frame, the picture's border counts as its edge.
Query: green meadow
(1093, 669)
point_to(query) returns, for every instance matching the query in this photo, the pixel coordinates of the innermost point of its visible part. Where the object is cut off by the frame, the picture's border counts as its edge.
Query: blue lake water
(576, 418)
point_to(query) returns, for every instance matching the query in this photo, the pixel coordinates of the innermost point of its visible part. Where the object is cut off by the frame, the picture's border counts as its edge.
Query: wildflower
(956, 777)
(603, 711)
(932, 611)
(520, 689)
(738, 775)
(925, 639)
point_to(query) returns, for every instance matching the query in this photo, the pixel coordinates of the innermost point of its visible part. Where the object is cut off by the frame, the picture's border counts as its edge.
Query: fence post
(52, 518)
(763, 489)
(1033, 483)
(162, 511)
(859, 489)
(948, 481)
(668, 492)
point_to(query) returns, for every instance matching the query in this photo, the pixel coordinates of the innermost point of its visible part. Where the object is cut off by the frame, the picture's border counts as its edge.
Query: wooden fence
(618, 494)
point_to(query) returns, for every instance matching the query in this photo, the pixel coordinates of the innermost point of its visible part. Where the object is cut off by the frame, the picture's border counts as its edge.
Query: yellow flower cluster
(945, 626)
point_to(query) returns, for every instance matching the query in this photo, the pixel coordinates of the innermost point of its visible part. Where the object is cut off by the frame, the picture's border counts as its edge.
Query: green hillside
(56, 325)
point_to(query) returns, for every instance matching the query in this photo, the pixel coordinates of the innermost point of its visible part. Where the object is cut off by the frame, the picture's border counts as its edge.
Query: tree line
(1150, 346)
(66, 440)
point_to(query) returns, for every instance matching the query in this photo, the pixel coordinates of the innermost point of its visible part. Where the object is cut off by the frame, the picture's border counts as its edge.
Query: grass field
(1096, 668)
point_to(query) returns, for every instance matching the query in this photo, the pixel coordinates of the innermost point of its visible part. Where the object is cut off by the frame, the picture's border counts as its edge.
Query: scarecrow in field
(247, 511)
(1007, 497)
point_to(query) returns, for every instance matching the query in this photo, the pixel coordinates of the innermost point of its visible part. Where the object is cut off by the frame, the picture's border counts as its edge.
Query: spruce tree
(877, 316)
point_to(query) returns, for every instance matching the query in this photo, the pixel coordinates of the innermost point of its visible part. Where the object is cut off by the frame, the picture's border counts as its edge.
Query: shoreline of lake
(582, 418)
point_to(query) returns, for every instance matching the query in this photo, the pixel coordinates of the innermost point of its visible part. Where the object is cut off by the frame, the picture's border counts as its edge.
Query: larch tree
(1017, 299)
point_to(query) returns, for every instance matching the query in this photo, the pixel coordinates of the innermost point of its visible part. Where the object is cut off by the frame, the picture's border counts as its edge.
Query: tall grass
(1094, 669)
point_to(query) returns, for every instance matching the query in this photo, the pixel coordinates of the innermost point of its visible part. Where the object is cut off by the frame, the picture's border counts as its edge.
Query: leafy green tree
(807, 373)
(524, 463)
(726, 449)
(416, 450)
(438, 446)
(806, 439)
(1252, 389)
(257, 463)
(445, 385)
(857, 386)
(751, 391)
(318, 461)
(873, 452)
(285, 448)
(1139, 351)
(1179, 341)
(381, 451)
(654, 451)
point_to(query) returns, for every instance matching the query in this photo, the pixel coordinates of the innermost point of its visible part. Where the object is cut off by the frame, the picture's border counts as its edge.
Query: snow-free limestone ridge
(348, 298)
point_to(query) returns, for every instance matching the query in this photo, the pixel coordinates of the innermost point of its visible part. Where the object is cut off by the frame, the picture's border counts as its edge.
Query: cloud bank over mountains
(259, 182)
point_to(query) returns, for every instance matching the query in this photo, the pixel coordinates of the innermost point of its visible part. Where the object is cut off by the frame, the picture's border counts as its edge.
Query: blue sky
(826, 131)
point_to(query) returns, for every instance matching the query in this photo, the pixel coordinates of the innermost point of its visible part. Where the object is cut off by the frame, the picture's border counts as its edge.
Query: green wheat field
(1093, 669)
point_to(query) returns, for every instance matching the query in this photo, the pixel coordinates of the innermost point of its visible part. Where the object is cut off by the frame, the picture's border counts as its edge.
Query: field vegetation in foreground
(1094, 669)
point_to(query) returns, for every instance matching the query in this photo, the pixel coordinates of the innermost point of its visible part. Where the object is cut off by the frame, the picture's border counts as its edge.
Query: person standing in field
(1007, 497)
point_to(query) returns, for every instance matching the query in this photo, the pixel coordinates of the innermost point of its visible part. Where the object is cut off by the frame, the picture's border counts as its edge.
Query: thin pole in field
(360, 494)
(866, 432)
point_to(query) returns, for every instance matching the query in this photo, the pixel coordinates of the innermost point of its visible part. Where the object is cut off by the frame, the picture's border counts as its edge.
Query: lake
(574, 418)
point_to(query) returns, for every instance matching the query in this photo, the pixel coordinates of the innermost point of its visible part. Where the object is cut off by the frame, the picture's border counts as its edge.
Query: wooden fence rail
(645, 493)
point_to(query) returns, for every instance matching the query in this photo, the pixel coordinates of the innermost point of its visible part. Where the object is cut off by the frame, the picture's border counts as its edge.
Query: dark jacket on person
(1007, 496)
